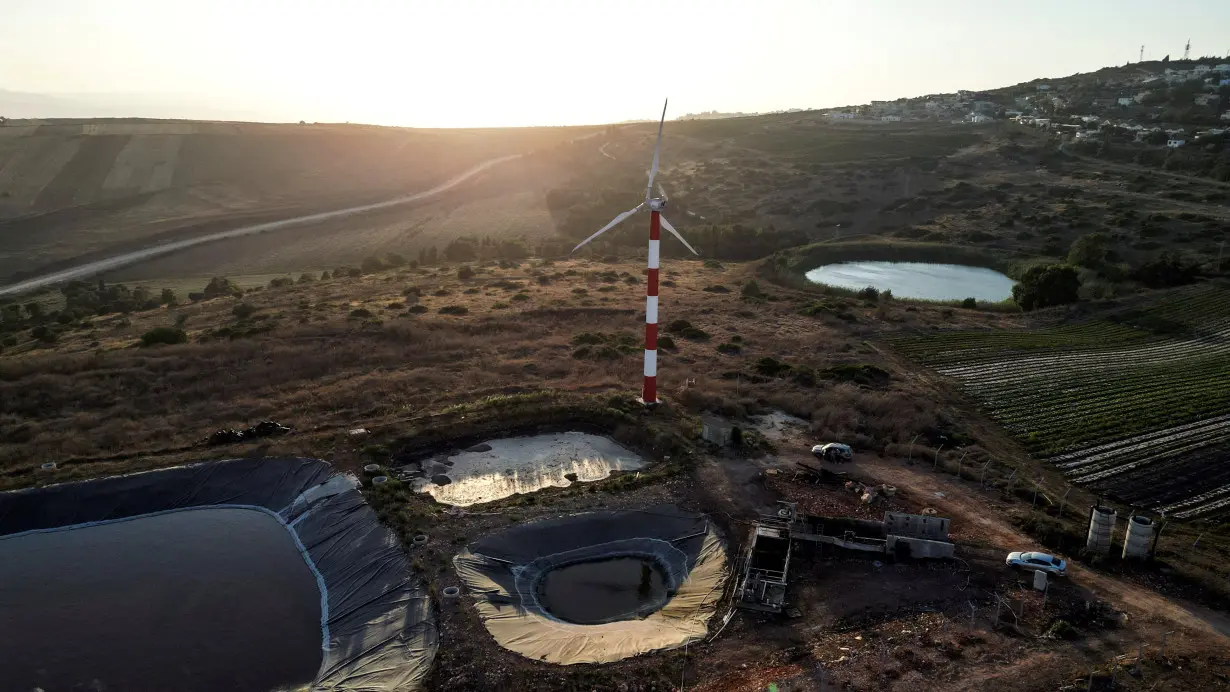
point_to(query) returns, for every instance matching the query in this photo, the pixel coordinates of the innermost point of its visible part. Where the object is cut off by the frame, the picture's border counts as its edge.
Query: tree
(371, 265)
(45, 334)
(164, 335)
(1046, 285)
(393, 259)
(34, 310)
(464, 272)
(1089, 250)
(1167, 270)
(243, 311)
(461, 250)
(168, 297)
(306, 278)
(325, 276)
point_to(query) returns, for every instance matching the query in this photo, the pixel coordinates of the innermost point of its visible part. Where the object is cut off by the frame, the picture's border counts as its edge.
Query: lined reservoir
(203, 599)
(917, 280)
(589, 593)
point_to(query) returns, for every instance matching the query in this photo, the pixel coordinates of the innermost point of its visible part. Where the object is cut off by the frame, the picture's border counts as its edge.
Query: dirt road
(966, 504)
(99, 266)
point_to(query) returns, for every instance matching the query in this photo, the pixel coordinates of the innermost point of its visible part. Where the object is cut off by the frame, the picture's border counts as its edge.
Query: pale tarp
(515, 465)
(501, 572)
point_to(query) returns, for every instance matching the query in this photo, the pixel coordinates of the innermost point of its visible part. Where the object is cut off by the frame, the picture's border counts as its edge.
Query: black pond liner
(510, 576)
(378, 628)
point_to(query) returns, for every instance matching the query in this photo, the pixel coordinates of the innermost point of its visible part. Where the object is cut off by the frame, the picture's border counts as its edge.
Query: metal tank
(1101, 526)
(1139, 536)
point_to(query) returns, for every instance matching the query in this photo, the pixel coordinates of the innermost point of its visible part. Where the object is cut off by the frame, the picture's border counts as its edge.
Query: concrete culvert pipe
(371, 469)
(451, 592)
(380, 480)
(419, 539)
(49, 466)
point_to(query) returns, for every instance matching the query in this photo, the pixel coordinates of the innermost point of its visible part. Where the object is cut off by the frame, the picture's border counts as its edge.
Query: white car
(1039, 562)
(833, 451)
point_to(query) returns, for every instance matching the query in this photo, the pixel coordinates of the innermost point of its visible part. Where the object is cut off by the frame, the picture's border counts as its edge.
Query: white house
(1200, 69)
(1224, 67)
(980, 118)
(1225, 116)
(1175, 143)
(1206, 99)
(1126, 100)
(1086, 134)
(841, 116)
(891, 118)
(1044, 87)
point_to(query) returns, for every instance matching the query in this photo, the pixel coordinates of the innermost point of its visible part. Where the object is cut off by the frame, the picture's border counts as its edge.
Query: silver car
(1039, 562)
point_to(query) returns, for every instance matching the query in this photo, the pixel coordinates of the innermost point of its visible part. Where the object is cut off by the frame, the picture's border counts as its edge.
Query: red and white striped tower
(649, 392)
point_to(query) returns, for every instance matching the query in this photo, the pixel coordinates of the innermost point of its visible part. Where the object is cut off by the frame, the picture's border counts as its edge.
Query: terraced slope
(1136, 404)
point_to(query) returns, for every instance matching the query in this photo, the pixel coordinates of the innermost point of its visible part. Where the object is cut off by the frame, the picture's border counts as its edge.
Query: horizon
(514, 69)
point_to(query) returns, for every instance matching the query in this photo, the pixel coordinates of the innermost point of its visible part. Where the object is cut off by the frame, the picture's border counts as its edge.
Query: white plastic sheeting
(502, 572)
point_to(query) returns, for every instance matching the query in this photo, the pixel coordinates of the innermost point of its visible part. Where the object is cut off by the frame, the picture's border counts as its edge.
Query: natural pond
(918, 280)
(203, 599)
(589, 593)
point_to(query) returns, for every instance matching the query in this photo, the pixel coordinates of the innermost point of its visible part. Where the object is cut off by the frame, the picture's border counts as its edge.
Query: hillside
(71, 189)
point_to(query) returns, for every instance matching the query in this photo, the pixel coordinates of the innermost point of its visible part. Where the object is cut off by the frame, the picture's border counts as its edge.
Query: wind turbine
(649, 392)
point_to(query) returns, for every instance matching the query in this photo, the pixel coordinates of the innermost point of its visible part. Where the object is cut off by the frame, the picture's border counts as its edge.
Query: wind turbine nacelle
(657, 205)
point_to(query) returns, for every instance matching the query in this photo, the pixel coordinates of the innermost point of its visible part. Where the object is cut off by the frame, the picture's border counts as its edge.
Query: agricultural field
(1131, 404)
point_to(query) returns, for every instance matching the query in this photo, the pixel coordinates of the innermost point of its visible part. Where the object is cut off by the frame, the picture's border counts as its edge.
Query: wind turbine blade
(662, 191)
(667, 225)
(610, 225)
(653, 170)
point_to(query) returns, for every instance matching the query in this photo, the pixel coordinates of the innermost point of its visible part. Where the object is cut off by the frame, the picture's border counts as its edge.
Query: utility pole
(1142, 54)
(1187, 49)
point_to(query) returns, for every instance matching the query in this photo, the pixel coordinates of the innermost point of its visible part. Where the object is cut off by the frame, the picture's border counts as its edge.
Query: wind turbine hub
(656, 204)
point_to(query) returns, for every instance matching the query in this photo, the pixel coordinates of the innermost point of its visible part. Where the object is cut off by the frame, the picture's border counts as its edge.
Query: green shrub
(969, 303)
(717, 288)
(454, 310)
(587, 338)
(771, 367)
(713, 264)
(45, 334)
(360, 314)
(687, 330)
(665, 342)
(465, 273)
(730, 349)
(243, 311)
(1061, 629)
(520, 297)
(499, 306)
(869, 293)
(164, 335)
(751, 289)
(417, 309)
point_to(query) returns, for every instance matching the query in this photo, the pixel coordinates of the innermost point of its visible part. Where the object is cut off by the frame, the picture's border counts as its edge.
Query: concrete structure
(1139, 537)
(1206, 99)
(1126, 100)
(1175, 143)
(1101, 527)
(716, 430)
(916, 525)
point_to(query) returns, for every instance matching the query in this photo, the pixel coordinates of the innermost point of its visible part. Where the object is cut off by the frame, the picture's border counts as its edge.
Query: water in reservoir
(209, 599)
(589, 593)
(919, 280)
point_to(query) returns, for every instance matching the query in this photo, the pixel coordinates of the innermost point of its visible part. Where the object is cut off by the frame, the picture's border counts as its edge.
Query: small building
(1044, 87)
(1206, 99)
(1225, 116)
(980, 118)
(1201, 69)
(1175, 143)
(1126, 100)
(1103, 102)
(841, 116)
(1224, 67)
(716, 430)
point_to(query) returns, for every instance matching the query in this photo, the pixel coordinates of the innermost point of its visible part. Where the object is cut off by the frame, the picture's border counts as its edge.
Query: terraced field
(1135, 404)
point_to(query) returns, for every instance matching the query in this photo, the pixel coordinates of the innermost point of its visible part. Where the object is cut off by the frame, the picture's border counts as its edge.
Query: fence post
(1140, 651)
(1063, 501)
(1165, 636)
(983, 481)
(910, 456)
(936, 463)
(961, 464)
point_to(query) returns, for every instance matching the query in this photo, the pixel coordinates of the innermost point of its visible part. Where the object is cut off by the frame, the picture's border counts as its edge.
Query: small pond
(209, 599)
(590, 593)
(918, 280)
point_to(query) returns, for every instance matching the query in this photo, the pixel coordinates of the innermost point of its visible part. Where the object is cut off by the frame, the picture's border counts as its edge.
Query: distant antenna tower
(1187, 49)
(1142, 54)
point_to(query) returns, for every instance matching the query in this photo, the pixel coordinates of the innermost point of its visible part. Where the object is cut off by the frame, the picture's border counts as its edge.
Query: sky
(471, 63)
